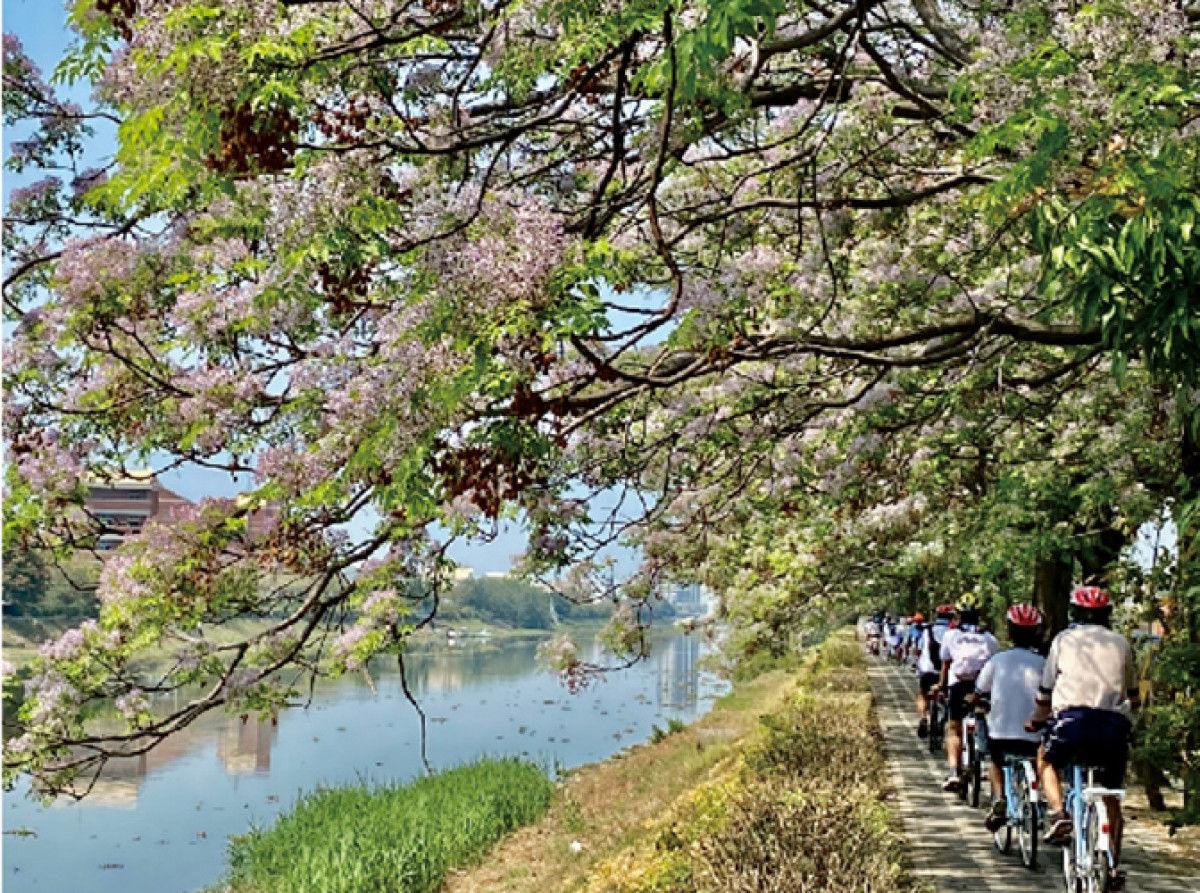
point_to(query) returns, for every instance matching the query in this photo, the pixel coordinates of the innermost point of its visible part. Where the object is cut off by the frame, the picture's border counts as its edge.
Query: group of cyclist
(890, 636)
(1074, 704)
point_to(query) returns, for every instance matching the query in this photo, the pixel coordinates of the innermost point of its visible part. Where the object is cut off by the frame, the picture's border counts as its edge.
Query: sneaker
(1059, 825)
(997, 817)
(1116, 881)
(951, 784)
(923, 727)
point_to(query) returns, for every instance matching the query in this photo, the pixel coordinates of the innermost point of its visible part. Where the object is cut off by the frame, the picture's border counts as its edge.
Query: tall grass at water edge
(393, 838)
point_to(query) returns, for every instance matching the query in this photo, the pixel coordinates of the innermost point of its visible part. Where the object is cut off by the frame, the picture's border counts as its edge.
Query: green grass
(391, 839)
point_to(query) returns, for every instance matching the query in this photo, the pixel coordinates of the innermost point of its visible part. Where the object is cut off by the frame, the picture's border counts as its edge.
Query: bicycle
(937, 721)
(970, 766)
(1023, 810)
(1089, 864)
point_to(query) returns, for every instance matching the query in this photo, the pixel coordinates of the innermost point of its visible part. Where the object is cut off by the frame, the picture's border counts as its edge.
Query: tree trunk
(1189, 541)
(1052, 590)
(1096, 555)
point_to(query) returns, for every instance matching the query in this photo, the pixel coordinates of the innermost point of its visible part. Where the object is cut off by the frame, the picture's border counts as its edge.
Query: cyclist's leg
(925, 682)
(954, 742)
(999, 811)
(1116, 826)
(1066, 741)
(956, 710)
(1051, 783)
(995, 772)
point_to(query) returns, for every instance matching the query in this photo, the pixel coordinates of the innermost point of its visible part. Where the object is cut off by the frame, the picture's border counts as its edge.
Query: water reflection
(677, 673)
(243, 745)
(157, 823)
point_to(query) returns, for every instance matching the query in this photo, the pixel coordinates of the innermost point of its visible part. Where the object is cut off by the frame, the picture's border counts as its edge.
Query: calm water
(159, 824)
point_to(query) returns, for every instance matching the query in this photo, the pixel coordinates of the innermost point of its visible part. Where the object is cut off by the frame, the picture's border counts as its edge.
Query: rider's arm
(983, 688)
(947, 656)
(1041, 711)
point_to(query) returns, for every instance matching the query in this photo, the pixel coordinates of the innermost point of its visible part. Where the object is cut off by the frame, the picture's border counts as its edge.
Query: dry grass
(796, 808)
(604, 808)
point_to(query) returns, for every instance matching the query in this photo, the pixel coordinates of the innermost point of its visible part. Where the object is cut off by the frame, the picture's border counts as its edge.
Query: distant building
(126, 505)
(688, 599)
(462, 574)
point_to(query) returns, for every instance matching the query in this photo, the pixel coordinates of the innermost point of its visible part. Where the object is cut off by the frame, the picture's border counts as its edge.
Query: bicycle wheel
(964, 766)
(975, 778)
(1071, 878)
(1002, 836)
(935, 728)
(1101, 868)
(1029, 816)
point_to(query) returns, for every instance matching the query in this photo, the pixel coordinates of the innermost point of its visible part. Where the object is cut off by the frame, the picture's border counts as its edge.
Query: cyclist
(1089, 684)
(912, 641)
(1007, 688)
(895, 639)
(929, 662)
(872, 630)
(965, 650)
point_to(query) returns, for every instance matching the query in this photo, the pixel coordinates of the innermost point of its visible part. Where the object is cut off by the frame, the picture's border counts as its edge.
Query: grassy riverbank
(778, 788)
(405, 837)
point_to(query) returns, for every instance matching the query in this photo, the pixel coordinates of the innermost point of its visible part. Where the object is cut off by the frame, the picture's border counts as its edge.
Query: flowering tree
(407, 263)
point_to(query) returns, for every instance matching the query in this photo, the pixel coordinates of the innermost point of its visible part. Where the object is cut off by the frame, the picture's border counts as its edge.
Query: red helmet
(1092, 597)
(918, 617)
(945, 610)
(1024, 615)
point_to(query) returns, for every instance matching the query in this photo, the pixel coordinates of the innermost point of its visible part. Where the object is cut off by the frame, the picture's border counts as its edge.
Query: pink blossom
(132, 704)
(67, 646)
(90, 266)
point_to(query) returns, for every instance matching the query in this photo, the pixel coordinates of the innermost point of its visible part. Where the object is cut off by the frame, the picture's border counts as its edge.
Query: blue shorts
(1097, 738)
(957, 698)
(1000, 748)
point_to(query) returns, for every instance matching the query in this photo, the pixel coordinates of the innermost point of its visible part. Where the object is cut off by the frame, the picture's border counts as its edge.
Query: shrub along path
(949, 845)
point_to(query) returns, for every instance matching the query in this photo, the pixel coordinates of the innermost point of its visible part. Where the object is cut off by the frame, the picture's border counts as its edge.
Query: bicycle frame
(1011, 766)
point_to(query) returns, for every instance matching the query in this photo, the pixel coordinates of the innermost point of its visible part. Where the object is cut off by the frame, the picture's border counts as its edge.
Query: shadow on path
(949, 845)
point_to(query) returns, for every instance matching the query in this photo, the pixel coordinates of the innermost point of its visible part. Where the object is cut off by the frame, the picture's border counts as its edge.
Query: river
(159, 823)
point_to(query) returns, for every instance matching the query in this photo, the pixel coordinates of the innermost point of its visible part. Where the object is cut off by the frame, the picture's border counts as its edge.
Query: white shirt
(925, 662)
(1090, 666)
(962, 646)
(1012, 679)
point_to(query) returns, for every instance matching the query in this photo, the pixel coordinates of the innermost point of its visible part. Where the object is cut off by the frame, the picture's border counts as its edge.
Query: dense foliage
(33, 587)
(819, 304)
(515, 604)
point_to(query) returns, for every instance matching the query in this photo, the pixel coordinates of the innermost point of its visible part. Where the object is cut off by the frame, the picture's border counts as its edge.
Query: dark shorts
(1098, 738)
(956, 698)
(999, 748)
(927, 681)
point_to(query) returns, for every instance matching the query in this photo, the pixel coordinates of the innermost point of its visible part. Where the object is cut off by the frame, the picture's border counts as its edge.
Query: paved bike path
(949, 846)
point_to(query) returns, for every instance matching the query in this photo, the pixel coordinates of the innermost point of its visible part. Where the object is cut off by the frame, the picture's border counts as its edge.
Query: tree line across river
(36, 590)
